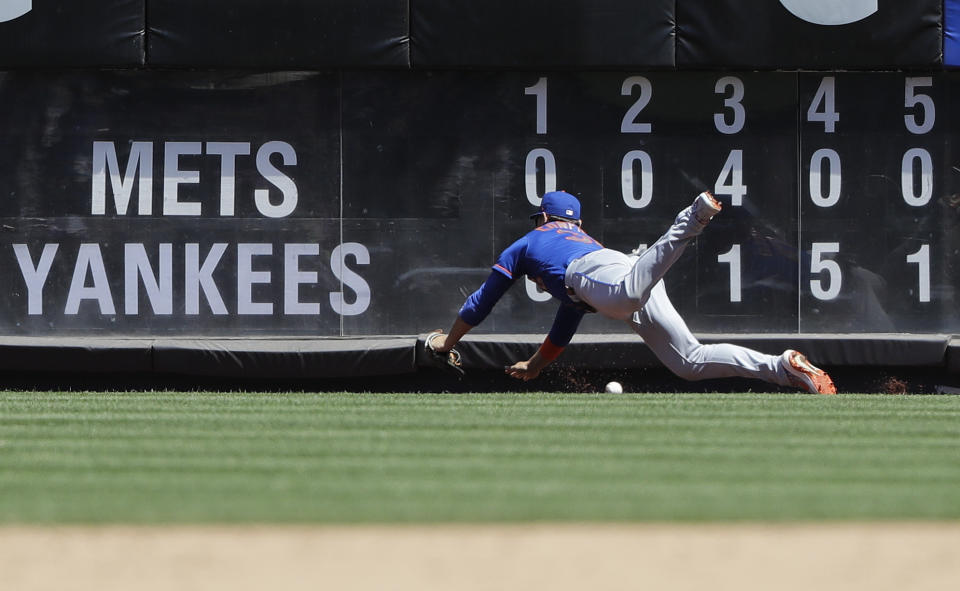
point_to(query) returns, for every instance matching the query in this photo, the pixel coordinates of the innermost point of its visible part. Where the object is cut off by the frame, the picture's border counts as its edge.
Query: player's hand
(438, 342)
(522, 371)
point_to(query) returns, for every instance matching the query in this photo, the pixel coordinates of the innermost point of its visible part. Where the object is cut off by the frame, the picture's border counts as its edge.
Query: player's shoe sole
(806, 375)
(705, 206)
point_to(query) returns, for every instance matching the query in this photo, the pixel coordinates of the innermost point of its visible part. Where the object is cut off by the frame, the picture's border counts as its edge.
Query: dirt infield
(495, 557)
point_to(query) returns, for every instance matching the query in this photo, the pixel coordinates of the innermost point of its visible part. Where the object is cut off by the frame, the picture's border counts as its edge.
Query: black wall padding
(75, 354)
(764, 34)
(67, 33)
(279, 34)
(315, 358)
(286, 358)
(953, 355)
(630, 352)
(542, 33)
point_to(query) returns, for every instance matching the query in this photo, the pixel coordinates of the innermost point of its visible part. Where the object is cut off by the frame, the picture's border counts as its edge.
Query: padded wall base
(298, 358)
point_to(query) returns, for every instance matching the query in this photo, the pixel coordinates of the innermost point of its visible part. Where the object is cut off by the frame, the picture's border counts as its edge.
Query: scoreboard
(375, 201)
(842, 211)
(879, 203)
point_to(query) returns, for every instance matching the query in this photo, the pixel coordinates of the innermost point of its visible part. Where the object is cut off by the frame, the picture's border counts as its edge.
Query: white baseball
(614, 388)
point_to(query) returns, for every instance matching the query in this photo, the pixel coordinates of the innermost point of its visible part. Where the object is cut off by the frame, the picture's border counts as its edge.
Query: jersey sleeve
(508, 263)
(565, 325)
(481, 302)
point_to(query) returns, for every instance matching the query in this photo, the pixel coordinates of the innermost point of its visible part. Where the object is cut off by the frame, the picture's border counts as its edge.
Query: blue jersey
(542, 255)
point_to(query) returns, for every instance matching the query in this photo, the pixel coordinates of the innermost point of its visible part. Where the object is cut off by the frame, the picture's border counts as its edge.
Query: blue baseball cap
(560, 204)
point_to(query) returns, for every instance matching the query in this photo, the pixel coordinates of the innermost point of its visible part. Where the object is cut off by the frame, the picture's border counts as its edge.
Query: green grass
(165, 457)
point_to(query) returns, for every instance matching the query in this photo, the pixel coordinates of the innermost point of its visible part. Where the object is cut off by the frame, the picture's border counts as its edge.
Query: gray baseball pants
(630, 288)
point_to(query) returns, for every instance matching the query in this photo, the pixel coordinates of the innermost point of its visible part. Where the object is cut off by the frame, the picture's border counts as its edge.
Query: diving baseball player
(585, 277)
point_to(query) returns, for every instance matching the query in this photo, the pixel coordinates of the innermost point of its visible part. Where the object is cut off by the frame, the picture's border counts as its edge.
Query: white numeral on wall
(627, 178)
(825, 288)
(908, 184)
(535, 294)
(921, 259)
(539, 90)
(912, 98)
(730, 181)
(539, 159)
(732, 258)
(823, 106)
(629, 123)
(733, 102)
(833, 174)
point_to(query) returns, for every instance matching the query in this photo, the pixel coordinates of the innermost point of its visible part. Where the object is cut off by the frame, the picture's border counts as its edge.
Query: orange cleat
(806, 375)
(705, 206)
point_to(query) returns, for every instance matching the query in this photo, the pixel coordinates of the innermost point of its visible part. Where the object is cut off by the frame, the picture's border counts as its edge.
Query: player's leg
(617, 285)
(667, 335)
(652, 264)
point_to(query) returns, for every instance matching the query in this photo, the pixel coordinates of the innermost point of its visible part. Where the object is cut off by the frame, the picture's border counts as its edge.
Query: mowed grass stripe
(195, 457)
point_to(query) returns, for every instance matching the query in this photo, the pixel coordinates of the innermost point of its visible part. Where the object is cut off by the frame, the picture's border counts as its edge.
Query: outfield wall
(312, 203)
(350, 168)
(306, 359)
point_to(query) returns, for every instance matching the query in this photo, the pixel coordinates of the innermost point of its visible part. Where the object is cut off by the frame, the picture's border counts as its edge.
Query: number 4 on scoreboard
(823, 107)
(730, 181)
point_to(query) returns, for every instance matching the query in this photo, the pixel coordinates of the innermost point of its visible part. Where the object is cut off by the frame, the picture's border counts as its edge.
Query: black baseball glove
(449, 361)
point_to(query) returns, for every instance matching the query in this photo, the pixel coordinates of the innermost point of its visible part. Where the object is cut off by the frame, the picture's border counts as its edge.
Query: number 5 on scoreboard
(825, 288)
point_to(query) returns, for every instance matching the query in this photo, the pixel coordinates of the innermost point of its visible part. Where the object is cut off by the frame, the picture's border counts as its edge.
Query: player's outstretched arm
(529, 369)
(474, 310)
(444, 342)
(564, 326)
